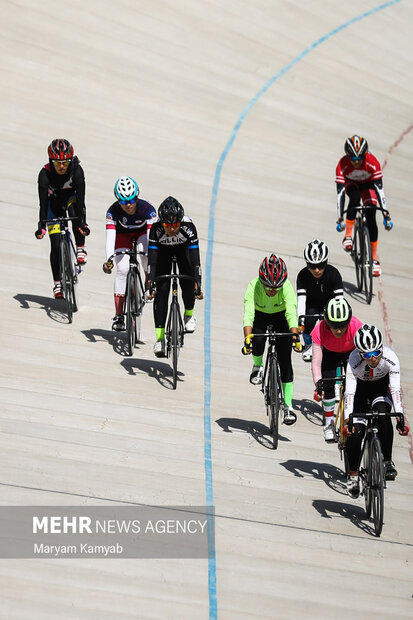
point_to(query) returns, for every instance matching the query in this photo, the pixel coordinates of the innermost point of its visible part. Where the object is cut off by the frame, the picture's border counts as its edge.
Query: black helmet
(356, 147)
(170, 211)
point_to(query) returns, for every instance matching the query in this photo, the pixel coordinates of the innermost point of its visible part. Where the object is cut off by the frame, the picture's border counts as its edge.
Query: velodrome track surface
(155, 90)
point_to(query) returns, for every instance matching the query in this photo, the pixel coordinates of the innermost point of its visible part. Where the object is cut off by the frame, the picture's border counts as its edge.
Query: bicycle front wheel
(273, 403)
(66, 278)
(357, 254)
(377, 485)
(139, 305)
(367, 266)
(131, 312)
(175, 343)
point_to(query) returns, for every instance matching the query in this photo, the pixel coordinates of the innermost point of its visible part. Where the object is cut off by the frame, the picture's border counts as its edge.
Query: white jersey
(358, 369)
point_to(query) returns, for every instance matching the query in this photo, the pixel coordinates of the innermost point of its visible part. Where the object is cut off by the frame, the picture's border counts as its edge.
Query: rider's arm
(316, 362)
(301, 295)
(290, 304)
(341, 197)
(378, 185)
(80, 188)
(110, 234)
(249, 303)
(351, 385)
(43, 185)
(336, 281)
(190, 231)
(394, 378)
(153, 251)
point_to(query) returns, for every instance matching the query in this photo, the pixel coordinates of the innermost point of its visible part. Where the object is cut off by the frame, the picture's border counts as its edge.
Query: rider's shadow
(354, 513)
(310, 410)
(160, 371)
(331, 475)
(116, 341)
(352, 291)
(54, 308)
(258, 431)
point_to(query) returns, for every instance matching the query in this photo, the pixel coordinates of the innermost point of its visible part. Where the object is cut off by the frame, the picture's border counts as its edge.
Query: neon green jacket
(257, 299)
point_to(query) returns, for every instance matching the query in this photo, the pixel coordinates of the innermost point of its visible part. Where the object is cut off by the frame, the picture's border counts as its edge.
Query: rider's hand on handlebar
(319, 392)
(402, 427)
(198, 293)
(151, 291)
(340, 226)
(84, 229)
(301, 321)
(108, 266)
(247, 348)
(387, 223)
(40, 233)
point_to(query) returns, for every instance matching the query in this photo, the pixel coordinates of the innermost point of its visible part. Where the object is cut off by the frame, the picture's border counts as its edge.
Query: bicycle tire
(367, 266)
(366, 477)
(377, 485)
(139, 305)
(357, 254)
(66, 278)
(273, 403)
(75, 279)
(174, 345)
(130, 312)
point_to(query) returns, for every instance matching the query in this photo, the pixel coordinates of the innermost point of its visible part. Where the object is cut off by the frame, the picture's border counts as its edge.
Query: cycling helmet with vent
(368, 339)
(170, 211)
(337, 313)
(356, 147)
(126, 190)
(273, 272)
(316, 252)
(60, 150)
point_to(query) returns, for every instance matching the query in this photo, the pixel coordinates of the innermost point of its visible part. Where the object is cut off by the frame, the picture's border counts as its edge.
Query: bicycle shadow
(52, 307)
(259, 432)
(160, 371)
(310, 410)
(117, 342)
(355, 514)
(331, 475)
(352, 291)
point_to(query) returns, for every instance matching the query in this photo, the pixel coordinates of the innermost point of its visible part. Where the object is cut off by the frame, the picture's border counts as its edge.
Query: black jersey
(316, 292)
(185, 242)
(56, 189)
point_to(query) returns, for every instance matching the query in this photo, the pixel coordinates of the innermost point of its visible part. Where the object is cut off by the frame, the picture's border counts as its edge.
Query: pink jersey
(369, 170)
(322, 336)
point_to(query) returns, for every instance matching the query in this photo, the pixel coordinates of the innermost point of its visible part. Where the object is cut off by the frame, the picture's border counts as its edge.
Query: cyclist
(61, 188)
(173, 234)
(359, 175)
(372, 377)
(316, 285)
(333, 341)
(270, 300)
(127, 218)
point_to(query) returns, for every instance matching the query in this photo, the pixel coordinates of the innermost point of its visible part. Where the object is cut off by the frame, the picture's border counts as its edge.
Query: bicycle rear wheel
(377, 485)
(131, 312)
(357, 254)
(273, 403)
(175, 343)
(366, 477)
(367, 265)
(66, 278)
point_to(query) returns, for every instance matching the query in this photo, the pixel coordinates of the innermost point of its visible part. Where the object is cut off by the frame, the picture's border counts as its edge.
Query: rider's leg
(122, 268)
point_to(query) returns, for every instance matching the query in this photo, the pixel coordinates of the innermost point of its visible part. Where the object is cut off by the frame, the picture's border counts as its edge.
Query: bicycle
(175, 329)
(271, 386)
(361, 252)
(69, 267)
(372, 472)
(134, 295)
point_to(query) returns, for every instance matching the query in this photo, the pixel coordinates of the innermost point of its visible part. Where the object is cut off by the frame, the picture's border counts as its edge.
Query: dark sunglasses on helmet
(126, 203)
(171, 224)
(317, 265)
(372, 354)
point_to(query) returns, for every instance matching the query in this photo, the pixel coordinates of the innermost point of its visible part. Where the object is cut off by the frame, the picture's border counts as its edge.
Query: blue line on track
(212, 586)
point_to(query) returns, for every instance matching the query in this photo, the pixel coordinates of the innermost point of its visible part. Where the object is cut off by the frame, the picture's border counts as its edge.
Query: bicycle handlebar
(129, 252)
(364, 207)
(60, 220)
(276, 334)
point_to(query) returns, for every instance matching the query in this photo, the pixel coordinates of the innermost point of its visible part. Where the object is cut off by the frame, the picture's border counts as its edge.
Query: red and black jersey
(369, 171)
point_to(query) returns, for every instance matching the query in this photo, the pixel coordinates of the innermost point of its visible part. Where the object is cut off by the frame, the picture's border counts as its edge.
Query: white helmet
(368, 338)
(126, 189)
(316, 252)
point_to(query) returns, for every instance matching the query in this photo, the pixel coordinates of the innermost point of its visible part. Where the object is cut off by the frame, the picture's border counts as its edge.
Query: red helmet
(60, 150)
(273, 271)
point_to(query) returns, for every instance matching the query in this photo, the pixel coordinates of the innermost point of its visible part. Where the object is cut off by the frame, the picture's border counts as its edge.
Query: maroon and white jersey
(369, 171)
(358, 370)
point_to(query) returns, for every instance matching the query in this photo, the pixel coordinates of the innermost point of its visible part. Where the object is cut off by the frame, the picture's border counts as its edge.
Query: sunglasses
(272, 289)
(356, 159)
(317, 265)
(372, 354)
(64, 162)
(126, 203)
(171, 225)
